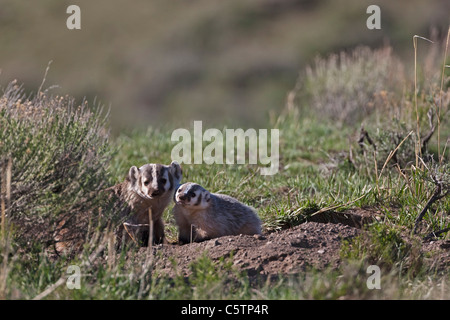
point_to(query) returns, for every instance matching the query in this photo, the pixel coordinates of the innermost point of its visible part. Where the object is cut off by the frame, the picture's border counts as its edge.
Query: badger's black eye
(146, 182)
(163, 180)
(192, 194)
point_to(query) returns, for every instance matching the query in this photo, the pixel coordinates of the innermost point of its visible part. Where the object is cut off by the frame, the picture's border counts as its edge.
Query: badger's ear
(133, 175)
(175, 169)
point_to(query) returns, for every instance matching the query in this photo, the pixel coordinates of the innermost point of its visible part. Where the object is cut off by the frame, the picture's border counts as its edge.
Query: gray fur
(212, 216)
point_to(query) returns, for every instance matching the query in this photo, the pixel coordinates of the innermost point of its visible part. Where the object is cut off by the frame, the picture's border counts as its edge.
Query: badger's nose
(155, 193)
(182, 197)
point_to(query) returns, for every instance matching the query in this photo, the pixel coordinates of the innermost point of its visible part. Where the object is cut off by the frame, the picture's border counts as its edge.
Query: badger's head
(192, 196)
(154, 180)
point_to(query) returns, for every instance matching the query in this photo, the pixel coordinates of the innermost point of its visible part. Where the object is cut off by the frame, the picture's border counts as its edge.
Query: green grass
(322, 166)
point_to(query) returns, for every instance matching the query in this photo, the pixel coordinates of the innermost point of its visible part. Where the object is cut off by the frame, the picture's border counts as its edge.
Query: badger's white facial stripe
(154, 185)
(199, 198)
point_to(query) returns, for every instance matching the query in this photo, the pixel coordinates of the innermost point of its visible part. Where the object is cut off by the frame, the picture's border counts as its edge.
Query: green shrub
(385, 246)
(343, 87)
(60, 156)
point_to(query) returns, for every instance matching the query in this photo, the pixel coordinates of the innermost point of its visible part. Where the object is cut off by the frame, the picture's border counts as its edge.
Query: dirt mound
(311, 244)
(314, 244)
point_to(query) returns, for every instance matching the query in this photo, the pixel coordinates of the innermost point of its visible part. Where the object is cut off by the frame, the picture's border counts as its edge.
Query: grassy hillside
(56, 156)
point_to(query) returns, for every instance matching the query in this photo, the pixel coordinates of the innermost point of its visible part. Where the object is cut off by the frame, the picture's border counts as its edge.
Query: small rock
(259, 237)
(321, 251)
(213, 243)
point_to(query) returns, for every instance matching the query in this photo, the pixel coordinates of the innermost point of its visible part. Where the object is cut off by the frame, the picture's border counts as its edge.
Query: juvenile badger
(151, 186)
(201, 215)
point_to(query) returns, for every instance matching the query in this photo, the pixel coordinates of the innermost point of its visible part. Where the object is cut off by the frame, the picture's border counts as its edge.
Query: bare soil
(288, 251)
(313, 244)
